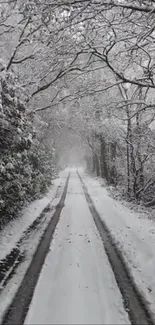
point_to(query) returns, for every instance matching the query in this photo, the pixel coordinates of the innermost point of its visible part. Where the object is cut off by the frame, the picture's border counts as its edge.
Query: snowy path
(19, 238)
(76, 284)
(70, 279)
(133, 233)
(12, 233)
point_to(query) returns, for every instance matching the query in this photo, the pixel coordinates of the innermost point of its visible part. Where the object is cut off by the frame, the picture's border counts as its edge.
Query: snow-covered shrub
(26, 169)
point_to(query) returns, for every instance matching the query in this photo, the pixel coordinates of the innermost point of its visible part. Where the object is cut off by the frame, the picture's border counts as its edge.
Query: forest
(77, 77)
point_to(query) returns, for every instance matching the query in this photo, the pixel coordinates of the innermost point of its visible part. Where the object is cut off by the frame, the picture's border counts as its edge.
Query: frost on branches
(26, 168)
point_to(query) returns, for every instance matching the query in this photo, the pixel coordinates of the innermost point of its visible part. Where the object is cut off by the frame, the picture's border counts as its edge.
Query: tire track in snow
(17, 310)
(11, 261)
(134, 302)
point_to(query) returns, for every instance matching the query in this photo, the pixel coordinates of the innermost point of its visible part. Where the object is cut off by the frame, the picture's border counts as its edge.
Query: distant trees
(117, 38)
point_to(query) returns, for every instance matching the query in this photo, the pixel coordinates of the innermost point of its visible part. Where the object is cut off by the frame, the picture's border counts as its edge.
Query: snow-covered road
(76, 284)
(68, 278)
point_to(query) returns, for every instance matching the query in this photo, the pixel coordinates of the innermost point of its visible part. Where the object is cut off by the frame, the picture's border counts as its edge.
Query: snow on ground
(134, 233)
(76, 284)
(30, 244)
(13, 231)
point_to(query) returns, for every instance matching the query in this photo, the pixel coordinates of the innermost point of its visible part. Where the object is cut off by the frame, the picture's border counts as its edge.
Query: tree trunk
(140, 173)
(94, 164)
(130, 153)
(113, 172)
(104, 167)
(97, 166)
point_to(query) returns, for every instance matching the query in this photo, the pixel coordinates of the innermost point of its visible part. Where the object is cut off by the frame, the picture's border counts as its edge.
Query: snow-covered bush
(26, 168)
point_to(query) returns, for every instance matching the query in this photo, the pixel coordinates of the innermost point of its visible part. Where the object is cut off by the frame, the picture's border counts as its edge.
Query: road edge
(17, 310)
